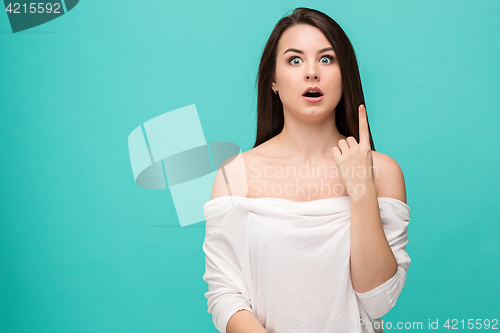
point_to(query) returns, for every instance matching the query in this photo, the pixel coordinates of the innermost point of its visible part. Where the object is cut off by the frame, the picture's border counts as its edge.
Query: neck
(308, 140)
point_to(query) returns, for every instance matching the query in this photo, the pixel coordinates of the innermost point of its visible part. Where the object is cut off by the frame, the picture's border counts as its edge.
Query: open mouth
(312, 94)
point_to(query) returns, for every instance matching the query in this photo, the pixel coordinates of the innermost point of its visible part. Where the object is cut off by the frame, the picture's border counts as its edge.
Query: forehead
(304, 37)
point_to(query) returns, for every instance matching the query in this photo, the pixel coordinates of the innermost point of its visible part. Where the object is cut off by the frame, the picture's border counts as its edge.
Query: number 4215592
(472, 324)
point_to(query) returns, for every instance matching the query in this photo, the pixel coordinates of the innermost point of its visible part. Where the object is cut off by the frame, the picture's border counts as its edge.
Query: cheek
(288, 83)
(336, 82)
(285, 75)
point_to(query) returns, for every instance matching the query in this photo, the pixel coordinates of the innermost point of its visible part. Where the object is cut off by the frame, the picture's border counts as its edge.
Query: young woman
(307, 231)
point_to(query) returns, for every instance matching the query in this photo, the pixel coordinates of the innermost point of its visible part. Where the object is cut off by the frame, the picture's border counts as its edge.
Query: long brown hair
(270, 118)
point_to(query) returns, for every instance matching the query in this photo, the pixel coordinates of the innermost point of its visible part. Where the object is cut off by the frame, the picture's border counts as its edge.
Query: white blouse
(287, 262)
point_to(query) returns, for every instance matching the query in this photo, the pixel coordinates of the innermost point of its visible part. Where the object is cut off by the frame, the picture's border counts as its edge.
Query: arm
(244, 322)
(227, 293)
(379, 261)
(372, 260)
(228, 296)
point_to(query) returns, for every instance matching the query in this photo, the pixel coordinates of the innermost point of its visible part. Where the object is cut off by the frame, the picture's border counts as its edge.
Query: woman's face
(306, 59)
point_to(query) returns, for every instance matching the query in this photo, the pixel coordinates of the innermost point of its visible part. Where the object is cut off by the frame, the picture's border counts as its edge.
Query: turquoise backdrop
(84, 249)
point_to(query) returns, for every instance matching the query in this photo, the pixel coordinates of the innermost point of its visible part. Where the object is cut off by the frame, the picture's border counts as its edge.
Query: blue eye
(329, 57)
(292, 59)
(326, 56)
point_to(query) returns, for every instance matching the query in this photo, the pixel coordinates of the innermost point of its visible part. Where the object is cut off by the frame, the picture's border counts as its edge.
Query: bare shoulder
(231, 178)
(389, 178)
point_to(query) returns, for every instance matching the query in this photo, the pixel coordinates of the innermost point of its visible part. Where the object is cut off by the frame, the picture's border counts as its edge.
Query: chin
(316, 111)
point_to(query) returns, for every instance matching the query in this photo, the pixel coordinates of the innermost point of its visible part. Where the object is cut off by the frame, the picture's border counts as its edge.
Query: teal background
(84, 249)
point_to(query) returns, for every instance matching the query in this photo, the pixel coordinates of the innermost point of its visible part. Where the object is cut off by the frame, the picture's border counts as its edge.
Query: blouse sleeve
(227, 290)
(395, 216)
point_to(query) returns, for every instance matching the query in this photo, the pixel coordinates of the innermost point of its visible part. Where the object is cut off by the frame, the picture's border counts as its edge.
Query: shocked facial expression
(306, 61)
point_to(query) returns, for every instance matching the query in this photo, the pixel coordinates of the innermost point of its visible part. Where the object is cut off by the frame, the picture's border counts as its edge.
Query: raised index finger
(363, 126)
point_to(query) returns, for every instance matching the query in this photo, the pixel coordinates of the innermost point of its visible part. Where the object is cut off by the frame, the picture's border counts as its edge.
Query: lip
(313, 88)
(313, 99)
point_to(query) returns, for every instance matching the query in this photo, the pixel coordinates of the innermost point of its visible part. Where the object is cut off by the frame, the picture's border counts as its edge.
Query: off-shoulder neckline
(274, 205)
(342, 197)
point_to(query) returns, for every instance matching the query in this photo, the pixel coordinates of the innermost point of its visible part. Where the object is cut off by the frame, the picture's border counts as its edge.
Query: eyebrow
(301, 52)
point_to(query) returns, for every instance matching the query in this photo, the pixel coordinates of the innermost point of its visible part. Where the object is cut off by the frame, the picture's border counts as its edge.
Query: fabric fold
(287, 262)
(227, 291)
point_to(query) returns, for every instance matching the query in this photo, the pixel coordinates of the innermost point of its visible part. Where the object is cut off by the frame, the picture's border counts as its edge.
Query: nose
(312, 72)
(311, 69)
